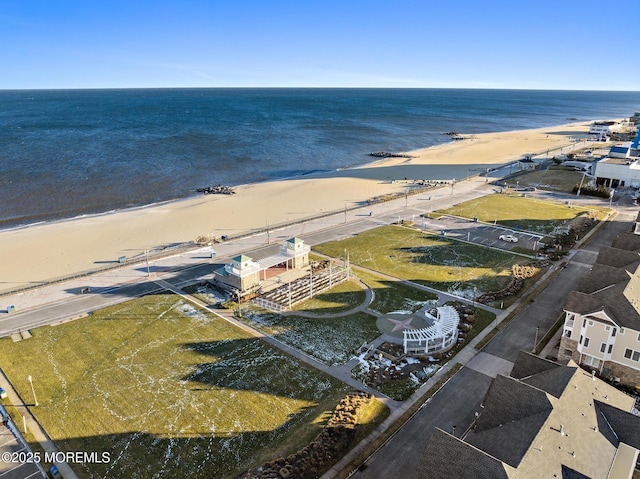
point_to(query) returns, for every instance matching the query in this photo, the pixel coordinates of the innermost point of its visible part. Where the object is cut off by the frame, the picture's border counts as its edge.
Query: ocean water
(65, 153)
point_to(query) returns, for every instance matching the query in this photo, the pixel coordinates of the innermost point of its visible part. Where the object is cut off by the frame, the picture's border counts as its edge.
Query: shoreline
(52, 249)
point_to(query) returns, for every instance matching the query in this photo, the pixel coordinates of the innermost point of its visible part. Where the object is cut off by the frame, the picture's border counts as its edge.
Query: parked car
(509, 238)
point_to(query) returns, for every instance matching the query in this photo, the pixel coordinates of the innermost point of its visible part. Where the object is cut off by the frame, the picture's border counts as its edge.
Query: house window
(610, 349)
(638, 338)
(580, 339)
(590, 323)
(613, 332)
(631, 354)
(568, 352)
(603, 347)
(607, 328)
(567, 333)
(621, 330)
(569, 323)
(586, 342)
(591, 361)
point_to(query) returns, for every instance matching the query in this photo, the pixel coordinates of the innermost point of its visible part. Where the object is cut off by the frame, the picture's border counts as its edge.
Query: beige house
(602, 324)
(544, 421)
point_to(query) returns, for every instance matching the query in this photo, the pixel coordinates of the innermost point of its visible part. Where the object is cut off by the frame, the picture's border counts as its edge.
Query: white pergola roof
(444, 325)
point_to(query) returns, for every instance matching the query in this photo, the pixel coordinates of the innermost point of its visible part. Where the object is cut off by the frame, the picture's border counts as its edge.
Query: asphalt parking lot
(480, 233)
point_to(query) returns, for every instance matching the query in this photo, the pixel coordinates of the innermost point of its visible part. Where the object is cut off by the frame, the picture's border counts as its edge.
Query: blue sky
(542, 44)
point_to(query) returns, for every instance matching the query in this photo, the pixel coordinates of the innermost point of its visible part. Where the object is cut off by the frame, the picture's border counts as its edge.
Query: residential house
(544, 421)
(602, 324)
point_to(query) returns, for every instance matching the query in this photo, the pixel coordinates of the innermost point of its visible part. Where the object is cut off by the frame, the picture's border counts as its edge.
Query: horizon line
(308, 88)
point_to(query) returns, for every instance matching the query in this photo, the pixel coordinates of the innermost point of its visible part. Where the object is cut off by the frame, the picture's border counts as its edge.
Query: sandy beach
(40, 252)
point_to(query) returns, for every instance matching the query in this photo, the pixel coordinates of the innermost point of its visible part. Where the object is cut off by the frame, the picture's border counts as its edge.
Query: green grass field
(166, 388)
(330, 340)
(528, 214)
(393, 296)
(439, 262)
(553, 179)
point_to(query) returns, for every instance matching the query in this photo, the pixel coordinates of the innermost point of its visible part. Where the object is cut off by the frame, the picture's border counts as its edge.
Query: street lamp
(535, 341)
(35, 399)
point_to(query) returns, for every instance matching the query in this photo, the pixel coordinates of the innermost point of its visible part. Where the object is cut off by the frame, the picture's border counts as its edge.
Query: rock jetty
(216, 190)
(386, 154)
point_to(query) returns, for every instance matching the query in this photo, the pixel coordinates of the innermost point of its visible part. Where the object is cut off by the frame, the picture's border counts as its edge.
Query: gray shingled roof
(601, 276)
(618, 258)
(518, 435)
(568, 473)
(553, 381)
(627, 241)
(509, 400)
(446, 456)
(610, 300)
(509, 442)
(527, 364)
(625, 425)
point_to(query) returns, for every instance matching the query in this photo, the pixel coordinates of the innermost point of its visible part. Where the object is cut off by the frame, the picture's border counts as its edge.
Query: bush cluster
(600, 191)
(519, 272)
(332, 443)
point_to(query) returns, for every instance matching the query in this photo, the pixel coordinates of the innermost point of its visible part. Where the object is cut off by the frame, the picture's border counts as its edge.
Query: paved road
(454, 405)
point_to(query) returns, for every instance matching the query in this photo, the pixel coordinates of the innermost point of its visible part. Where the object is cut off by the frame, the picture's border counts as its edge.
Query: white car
(509, 238)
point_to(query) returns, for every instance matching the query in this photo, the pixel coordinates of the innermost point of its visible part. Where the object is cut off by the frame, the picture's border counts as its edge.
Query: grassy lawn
(393, 296)
(528, 214)
(330, 340)
(342, 297)
(166, 388)
(554, 179)
(439, 262)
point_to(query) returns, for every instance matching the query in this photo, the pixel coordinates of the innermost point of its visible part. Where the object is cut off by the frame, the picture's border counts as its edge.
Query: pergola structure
(439, 336)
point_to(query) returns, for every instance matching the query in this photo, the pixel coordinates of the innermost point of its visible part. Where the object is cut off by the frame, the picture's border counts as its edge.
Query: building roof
(242, 258)
(557, 421)
(513, 414)
(613, 285)
(528, 364)
(469, 461)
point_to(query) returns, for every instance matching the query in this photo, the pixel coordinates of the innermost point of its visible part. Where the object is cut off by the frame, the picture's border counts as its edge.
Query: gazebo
(439, 336)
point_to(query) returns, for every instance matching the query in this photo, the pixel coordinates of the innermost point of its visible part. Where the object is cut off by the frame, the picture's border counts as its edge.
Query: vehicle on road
(509, 238)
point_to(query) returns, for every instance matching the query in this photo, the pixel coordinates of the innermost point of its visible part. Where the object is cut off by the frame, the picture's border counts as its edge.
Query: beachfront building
(619, 168)
(600, 130)
(244, 274)
(543, 421)
(601, 329)
(439, 336)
